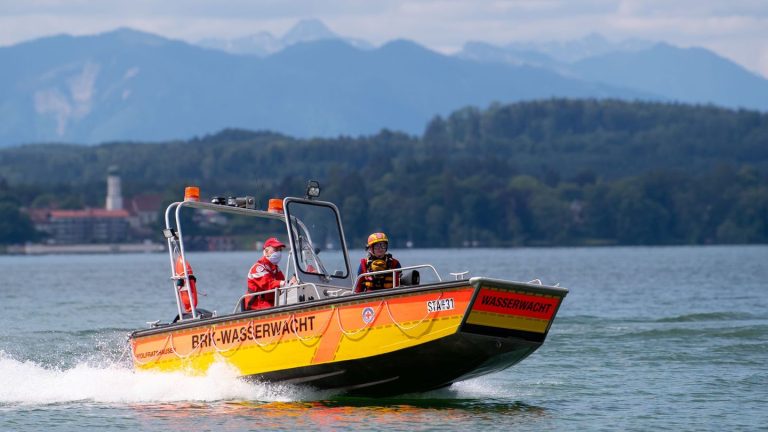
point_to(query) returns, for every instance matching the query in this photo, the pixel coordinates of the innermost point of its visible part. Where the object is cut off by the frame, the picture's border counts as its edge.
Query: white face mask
(275, 257)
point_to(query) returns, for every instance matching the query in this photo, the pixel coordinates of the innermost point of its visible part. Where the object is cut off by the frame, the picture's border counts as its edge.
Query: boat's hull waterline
(386, 342)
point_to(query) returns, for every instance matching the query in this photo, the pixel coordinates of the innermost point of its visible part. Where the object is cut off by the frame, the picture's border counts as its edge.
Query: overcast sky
(735, 29)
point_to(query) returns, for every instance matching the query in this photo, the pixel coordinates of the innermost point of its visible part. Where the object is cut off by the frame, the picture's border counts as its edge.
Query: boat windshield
(317, 238)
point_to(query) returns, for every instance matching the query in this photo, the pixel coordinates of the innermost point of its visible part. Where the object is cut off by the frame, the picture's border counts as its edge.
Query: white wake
(27, 382)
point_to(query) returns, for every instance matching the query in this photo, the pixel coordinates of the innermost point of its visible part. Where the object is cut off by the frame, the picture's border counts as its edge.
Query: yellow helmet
(377, 238)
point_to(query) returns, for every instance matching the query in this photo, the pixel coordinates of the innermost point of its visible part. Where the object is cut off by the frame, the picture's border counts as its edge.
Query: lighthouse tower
(114, 195)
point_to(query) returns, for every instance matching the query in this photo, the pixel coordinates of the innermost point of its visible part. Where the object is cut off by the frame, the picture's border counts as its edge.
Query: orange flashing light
(192, 193)
(275, 205)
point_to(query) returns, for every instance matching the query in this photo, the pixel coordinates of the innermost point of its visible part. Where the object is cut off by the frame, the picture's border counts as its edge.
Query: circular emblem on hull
(368, 315)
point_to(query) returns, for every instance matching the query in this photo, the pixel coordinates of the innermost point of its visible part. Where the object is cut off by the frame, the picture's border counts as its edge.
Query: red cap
(273, 242)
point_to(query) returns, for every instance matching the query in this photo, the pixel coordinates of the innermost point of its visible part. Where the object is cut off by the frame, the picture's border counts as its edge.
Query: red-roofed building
(146, 208)
(112, 224)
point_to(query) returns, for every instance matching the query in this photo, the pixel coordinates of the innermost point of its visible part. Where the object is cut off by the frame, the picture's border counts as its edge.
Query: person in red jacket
(265, 275)
(377, 259)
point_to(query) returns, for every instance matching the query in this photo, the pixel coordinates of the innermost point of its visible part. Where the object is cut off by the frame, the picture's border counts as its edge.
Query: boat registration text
(440, 305)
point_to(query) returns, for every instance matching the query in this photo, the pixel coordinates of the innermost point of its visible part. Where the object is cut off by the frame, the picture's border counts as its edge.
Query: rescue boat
(425, 333)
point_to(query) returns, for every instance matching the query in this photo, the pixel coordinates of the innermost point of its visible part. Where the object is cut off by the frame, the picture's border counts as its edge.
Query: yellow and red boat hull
(385, 342)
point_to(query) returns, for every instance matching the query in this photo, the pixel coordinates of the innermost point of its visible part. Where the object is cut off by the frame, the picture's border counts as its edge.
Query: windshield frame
(293, 224)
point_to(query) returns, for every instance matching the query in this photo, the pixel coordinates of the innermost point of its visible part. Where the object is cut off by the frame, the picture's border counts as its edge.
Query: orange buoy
(181, 284)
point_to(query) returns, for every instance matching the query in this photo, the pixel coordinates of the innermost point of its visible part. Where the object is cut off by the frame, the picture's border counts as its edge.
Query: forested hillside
(555, 172)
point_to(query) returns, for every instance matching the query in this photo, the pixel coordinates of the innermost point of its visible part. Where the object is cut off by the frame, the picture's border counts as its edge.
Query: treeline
(15, 225)
(551, 172)
(466, 208)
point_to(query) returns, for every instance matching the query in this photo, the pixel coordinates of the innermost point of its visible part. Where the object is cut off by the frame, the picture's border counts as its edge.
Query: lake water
(656, 338)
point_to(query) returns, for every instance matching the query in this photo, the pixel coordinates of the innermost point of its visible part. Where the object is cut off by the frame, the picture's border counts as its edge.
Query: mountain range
(265, 43)
(129, 85)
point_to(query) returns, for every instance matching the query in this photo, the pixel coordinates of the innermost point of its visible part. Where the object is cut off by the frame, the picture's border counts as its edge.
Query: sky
(734, 29)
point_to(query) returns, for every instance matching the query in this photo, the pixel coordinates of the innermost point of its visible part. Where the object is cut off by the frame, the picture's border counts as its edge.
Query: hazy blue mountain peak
(590, 45)
(405, 45)
(323, 50)
(123, 36)
(487, 53)
(261, 44)
(691, 75)
(129, 36)
(308, 30)
(264, 43)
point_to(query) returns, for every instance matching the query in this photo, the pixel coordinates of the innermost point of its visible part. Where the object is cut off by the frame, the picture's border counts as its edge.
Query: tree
(15, 226)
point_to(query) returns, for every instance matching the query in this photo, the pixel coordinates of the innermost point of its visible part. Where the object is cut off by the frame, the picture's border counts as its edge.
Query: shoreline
(105, 248)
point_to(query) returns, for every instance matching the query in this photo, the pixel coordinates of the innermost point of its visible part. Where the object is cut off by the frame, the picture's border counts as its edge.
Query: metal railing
(175, 210)
(338, 292)
(393, 271)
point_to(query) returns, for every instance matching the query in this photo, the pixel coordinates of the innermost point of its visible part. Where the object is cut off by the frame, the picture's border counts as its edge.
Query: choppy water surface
(648, 338)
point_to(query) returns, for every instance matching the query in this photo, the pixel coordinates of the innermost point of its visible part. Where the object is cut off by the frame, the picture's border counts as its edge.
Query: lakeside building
(145, 211)
(123, 225)
(85, 226)
(111, 224)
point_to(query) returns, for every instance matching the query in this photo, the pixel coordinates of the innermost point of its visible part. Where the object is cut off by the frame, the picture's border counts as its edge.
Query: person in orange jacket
(265, 275)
